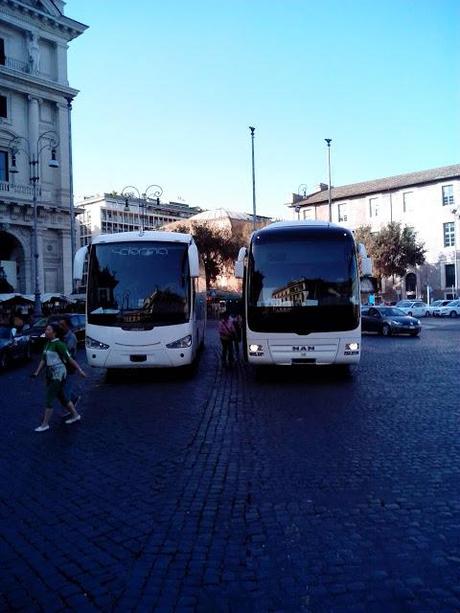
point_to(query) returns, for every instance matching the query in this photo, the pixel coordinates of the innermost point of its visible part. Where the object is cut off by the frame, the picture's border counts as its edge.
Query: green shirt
(56, 356)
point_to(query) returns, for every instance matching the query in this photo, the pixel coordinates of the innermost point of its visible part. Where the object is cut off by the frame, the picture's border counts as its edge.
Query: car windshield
(392, 312)
(5, 333)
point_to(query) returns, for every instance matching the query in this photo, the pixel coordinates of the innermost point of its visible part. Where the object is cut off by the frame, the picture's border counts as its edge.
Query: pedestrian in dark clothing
(227, 336)
(237, 325)
(71, 343)
(55, 357)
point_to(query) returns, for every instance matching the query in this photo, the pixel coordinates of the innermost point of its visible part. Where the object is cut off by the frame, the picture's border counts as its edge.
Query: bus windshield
(302, 281)
(138, 284)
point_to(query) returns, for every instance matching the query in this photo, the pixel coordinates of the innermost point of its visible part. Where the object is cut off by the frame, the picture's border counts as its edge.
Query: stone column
(66, 248)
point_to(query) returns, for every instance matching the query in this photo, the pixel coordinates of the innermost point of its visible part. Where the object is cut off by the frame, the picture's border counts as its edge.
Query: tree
(217, 248)
(393, 249)
(363, 234)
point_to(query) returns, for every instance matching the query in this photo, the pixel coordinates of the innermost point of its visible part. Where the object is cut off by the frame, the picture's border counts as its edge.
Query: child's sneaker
(42, 428)
(73, 419)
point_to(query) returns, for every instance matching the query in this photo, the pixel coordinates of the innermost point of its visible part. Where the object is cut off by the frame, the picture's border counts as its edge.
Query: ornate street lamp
(32, 150)
(151, 194)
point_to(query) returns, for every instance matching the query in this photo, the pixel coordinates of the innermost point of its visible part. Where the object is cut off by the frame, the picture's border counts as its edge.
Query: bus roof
(147, 235)
(301, 224)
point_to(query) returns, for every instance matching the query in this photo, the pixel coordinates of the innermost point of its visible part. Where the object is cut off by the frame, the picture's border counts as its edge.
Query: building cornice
(67, 28)
(47, 89)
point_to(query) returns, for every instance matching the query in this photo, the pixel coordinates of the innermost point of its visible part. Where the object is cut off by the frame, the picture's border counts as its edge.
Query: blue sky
(168, 91)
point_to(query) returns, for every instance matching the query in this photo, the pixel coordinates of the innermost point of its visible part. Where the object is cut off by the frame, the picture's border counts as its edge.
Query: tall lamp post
(151, 193)
(32, 150)
(456, 214)
(252, 130)
(328, 141)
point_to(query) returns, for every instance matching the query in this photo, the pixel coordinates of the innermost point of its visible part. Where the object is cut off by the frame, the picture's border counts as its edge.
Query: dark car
(14, 345)
(388, 320)
(76, 321)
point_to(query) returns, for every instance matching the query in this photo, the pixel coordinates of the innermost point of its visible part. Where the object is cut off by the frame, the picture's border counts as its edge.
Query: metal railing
(14, 64)
(18, 188)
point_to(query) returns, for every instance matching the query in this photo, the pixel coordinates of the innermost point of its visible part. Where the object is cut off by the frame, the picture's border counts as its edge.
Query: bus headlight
(256, 350)
(182, 343)
(92, 343)
(351, 349)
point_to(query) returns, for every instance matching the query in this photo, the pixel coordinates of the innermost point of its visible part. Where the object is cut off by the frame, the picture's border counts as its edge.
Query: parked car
(436, 307)
(388, 320)
(451, 309)
(77, 324)
(416, 308)
(14, 345)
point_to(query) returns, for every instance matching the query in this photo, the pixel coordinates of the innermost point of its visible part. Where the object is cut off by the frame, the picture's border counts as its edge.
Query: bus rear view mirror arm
(194, 261)
(239, 264)
(78, 263)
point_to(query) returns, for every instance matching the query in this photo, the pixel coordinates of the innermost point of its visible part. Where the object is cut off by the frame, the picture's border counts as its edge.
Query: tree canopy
(217, 248)
(393, 249)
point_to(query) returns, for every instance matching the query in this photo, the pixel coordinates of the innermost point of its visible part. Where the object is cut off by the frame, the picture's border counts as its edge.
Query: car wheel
(453, 314)
(386, 330)
(3, 361)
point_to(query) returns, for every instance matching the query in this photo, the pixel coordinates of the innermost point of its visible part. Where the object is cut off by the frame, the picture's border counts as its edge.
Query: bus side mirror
(78, 263)
(366, 267)
(362, 250)
(239, 264)
(194, 261)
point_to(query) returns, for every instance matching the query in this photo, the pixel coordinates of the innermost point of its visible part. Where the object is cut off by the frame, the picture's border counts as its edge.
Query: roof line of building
(354, 190)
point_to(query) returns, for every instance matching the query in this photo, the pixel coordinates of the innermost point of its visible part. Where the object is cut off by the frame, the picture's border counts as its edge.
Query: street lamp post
(328, 141)
(456, 215)
(252, 129)
(151, 193)
(46, 140)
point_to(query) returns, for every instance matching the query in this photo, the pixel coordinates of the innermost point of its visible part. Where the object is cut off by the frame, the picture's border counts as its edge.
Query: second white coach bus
(301, 294)
(146, 300)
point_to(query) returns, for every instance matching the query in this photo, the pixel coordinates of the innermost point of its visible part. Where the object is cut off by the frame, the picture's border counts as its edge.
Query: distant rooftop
(380, 185)
(221, 213)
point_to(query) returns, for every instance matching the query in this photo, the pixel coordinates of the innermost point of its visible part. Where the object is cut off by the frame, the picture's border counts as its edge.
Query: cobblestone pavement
(303, 491)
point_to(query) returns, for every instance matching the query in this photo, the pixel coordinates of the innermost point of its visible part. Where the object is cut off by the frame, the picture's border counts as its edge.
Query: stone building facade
(110, 213)
(35, 108)
(428, 201)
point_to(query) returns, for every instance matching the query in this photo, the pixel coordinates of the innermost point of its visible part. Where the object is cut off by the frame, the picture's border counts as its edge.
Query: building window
(408, 202)
(449, 234)
(309, 213)
(343, 212)
(3, 166)
(373, 207)
(447, 194)
(3, 107)
(2, 52)
(450, 275)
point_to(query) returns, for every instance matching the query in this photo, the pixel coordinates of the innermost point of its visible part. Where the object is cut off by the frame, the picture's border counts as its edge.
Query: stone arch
(13, 249)
(411, 285)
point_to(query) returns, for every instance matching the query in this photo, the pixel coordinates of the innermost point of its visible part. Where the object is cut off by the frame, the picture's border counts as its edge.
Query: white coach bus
(301, 294)
(145, 300)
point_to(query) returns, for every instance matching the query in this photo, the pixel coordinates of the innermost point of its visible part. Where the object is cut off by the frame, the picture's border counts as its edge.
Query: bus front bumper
(136, 357)
(314, 351)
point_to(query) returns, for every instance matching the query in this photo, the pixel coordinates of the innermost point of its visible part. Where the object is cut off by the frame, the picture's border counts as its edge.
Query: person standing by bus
(71, 343)
(55, 357)
(227, 336)
(237, 323)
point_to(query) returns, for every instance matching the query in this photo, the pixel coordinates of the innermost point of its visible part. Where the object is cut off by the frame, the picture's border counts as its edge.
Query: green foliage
(393, 249)
(218, 249)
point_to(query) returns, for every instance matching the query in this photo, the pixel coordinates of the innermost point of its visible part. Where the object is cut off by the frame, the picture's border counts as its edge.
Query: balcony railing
(14, 64)
(19, 189)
